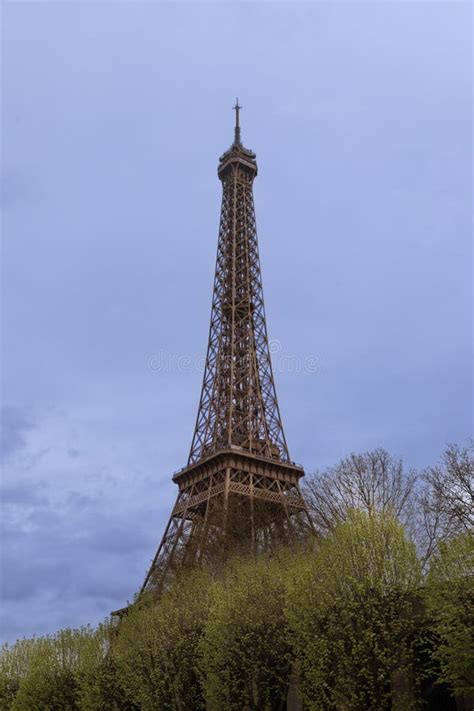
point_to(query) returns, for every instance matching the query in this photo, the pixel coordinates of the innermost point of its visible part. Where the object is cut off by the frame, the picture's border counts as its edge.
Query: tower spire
(237, 109)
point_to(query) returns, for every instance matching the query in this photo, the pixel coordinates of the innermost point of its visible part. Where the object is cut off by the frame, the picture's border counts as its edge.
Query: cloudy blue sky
(114, 115)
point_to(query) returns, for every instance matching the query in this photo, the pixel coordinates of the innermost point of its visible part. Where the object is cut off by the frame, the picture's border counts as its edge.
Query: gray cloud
(14, 427)
(73, 551)
(21, 493)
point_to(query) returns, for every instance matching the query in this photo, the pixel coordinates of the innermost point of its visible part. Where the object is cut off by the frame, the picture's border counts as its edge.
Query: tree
(96, 675)
(15, 661)
(432, 507)
(71, 669)
(449, 493)
(370, 482)
(352, 610)
(156, 648)
(51, 679)
(246, 655)
(450, 604)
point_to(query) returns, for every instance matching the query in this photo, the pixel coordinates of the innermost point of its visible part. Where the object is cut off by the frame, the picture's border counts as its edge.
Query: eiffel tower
(239, 491)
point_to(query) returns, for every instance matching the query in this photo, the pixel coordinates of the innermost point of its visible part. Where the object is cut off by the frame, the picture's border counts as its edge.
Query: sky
(114, 115)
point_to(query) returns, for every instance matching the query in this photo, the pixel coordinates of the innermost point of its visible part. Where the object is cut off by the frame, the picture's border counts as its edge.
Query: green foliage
(156, 649)
(246, 656)
(351, 619)
(352, 612)
(69, 670)
(15, 662)
(97, 679)
(51, 681)
(450, 604)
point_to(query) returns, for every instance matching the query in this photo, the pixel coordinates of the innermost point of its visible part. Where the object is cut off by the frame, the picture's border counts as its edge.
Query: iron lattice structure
(239, 490)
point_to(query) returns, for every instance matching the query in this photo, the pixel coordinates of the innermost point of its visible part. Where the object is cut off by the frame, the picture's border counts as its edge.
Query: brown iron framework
(239, 490)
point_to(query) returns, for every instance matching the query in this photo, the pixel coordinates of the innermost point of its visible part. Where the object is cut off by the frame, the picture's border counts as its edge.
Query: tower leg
(157, 554)
(252, 515)
(205, 526)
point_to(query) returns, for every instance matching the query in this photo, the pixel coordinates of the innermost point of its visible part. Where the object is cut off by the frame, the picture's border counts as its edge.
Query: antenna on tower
(237, 123)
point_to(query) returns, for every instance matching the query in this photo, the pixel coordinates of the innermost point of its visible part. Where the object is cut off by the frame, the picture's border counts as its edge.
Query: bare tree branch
(432, 507)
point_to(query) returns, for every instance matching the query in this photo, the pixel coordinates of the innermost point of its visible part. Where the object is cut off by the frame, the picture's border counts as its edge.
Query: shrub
(352, 613)
(156, 648)
(450, 604)
(51, 678)
(15, 662)
(246, 655)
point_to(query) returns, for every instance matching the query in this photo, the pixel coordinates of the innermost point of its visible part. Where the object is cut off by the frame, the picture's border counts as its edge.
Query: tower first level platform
(229, 502)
